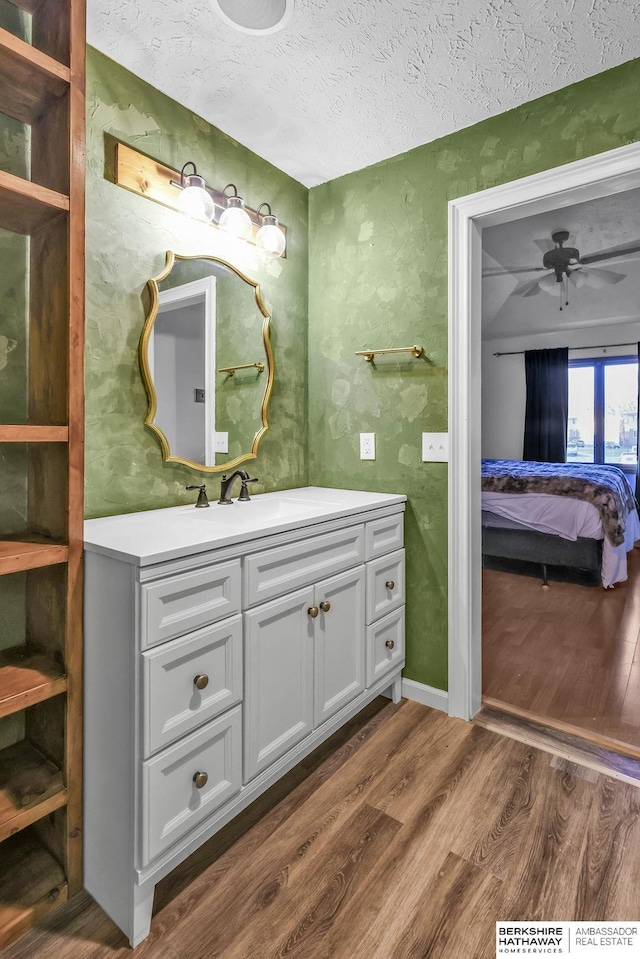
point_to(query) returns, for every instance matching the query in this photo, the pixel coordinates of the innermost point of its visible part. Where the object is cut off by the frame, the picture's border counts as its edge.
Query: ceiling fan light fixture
(550, 283)
(254, 16)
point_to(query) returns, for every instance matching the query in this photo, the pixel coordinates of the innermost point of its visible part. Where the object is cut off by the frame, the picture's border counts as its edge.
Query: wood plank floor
(569, 652)
(386, 843)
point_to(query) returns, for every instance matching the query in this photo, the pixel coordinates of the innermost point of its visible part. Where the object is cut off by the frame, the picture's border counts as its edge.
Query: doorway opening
(557, 190)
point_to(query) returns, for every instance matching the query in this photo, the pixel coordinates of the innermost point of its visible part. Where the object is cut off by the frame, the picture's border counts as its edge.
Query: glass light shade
(549, 284)
(194, 199)
(235, 219)
(270, 238)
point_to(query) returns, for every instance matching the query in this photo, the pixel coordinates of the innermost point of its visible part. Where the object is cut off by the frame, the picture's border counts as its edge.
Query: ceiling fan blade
(512, 270)
(544, 245)
(547, 243)
(527, 288)
(624, 249)
(599, 278)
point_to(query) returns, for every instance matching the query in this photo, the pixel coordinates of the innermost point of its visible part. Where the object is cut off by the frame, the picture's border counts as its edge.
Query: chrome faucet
(227, 484)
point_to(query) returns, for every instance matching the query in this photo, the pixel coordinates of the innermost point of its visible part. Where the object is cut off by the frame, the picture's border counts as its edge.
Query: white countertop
(158, 535)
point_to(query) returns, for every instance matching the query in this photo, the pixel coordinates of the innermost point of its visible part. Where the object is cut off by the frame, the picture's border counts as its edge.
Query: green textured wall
(378, 278)
(127, 237)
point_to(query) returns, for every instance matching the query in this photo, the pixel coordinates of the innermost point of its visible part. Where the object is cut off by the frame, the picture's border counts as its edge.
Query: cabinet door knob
(389, 644)
(200, 779)
(390, 584)
(201, 681)
(313, 611)
(325, 606)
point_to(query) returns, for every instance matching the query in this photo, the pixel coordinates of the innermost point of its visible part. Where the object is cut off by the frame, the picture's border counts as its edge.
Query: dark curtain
(638, 433)
(545, 421)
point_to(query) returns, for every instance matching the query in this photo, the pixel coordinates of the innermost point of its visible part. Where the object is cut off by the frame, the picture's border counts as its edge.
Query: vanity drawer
(278, 571)
(385, 645)
(182, 603)
(384, 535)
(385, 585)
(172, 703)
(172, 803)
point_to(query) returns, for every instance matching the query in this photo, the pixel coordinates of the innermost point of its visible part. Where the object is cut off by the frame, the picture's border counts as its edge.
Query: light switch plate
(221, 442)
(435, 447)
(367, 446)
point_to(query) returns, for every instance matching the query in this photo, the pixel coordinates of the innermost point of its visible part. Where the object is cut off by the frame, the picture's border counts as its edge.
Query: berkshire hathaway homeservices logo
(579, 940)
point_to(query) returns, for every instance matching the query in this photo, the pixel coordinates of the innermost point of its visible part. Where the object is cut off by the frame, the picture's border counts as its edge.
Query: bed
(573, 517)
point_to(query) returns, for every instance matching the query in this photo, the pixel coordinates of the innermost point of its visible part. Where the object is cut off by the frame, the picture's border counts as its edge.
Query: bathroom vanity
(222, 646)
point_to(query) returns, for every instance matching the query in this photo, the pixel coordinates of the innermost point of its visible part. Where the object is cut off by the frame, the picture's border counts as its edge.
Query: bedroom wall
(503, 381)
(378, 278)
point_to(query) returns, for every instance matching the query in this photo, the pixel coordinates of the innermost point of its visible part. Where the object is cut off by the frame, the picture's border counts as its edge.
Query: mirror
(206, 363)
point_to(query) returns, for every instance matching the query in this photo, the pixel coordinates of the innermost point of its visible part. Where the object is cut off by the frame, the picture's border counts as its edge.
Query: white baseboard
(427, 695)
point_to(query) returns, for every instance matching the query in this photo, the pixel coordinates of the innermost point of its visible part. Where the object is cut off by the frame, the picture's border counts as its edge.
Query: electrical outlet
(221, 442)
(435, 447)
(367, 446)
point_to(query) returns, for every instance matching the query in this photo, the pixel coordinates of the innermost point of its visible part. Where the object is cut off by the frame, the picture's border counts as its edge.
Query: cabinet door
(339, 648)
(278, 679)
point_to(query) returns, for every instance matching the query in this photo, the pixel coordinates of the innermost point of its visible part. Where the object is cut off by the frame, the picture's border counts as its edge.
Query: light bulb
(194, 199)
(270, 238)
(235, 219)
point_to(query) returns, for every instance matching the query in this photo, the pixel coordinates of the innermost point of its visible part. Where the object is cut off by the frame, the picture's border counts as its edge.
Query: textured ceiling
(349, 82)
(593, 227)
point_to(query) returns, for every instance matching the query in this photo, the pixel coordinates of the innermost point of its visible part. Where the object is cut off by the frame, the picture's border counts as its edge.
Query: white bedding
(568, 518)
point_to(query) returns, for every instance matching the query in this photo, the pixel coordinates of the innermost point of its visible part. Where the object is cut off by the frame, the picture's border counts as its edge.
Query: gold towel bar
(230, 370)
(369, 354)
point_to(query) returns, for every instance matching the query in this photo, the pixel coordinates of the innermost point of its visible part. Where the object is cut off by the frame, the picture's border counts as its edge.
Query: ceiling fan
(564, 265)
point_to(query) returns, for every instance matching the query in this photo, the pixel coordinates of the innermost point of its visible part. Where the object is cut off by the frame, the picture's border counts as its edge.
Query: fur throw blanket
(605, 486)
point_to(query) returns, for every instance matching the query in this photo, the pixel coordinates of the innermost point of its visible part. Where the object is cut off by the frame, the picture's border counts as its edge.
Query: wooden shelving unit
(42, 84)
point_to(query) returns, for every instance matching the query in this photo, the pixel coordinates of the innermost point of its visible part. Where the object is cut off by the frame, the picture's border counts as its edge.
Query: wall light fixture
(194, 199)
(235, 219)
(270, 238)
(188, 193)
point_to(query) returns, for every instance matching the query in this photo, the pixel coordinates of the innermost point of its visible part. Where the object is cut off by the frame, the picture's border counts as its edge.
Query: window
(603, 412)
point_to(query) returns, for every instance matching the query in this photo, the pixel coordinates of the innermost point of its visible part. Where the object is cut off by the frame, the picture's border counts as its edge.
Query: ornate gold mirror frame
(152, 306)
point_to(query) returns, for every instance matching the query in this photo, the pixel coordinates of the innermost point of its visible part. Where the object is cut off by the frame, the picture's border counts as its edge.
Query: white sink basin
(260, 509)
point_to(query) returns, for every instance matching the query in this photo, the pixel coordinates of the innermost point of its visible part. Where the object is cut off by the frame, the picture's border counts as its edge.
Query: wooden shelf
(29, 79)
(31, 787)
(27, 678)
(30, 553)
(25, 206)
(34, 434)
(32, 884)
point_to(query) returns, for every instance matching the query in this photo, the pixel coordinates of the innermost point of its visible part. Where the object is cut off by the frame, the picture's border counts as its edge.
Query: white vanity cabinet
(222, 646)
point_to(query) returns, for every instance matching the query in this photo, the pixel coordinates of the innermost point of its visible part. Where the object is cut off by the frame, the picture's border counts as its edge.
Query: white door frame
(597, 176)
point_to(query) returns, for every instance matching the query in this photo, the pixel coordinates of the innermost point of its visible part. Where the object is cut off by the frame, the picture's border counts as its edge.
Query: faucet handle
(244, 492)
(203, 502)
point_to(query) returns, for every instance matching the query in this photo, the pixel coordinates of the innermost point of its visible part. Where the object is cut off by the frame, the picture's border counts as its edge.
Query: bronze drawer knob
(390, 584)
(200, 779)
(201, 681)
(313, 611)
(325, 606)
(389, 644)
